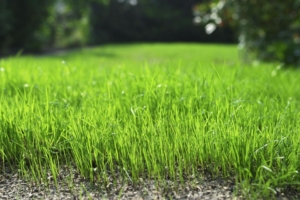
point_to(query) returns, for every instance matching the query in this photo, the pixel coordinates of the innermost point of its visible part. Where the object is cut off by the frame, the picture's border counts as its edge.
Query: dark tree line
(20, 22)
(268, 31)
(150, 20)
(36, 24)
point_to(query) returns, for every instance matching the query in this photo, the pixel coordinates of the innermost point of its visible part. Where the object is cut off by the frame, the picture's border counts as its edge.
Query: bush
(5, 24)
(163, 20)
(267, 31)
(67, 25)
(21, 23)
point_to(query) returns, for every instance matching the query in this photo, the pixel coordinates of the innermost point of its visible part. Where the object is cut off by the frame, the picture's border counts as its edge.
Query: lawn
(152, 111)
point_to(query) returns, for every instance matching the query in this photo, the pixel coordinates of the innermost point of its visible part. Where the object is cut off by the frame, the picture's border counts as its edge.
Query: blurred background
(268, 31)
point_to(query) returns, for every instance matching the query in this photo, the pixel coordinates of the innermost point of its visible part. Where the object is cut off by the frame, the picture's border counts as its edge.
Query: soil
(70, 185)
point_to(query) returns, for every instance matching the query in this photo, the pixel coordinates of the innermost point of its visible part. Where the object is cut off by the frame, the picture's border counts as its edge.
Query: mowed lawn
(152, 111)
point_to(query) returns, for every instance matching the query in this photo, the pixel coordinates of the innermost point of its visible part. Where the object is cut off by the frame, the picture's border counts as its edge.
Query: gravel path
(72, 186)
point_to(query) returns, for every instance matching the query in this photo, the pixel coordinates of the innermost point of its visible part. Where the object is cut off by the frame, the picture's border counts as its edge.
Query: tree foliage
(33, 25)
(68, 24)
(21, 23)
(268, 31)
(149, 20)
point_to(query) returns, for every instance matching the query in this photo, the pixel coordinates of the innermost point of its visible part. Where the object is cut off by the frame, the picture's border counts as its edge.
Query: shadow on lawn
(86, 51)
(66, 53)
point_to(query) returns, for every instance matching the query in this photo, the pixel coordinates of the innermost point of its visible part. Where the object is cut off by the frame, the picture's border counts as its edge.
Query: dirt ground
(71, 186)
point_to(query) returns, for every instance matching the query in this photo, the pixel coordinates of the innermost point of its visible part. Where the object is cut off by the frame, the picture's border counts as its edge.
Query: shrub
(21, 24)
(267, 31)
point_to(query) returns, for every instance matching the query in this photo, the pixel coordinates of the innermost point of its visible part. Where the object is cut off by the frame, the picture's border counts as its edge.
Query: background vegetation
(265, 31)
(21, 24)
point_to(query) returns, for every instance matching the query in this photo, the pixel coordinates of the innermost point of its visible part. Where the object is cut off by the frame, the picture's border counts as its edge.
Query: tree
(33, 25)
(148, 20)
(28, 18)
(6, 27)
(267, 31)
(21, 23)
(67, 24)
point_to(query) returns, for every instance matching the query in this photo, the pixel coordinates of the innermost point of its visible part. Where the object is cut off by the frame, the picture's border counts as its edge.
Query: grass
(153, 111)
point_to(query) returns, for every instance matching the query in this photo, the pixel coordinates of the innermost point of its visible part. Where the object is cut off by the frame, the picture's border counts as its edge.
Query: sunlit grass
(152, 111)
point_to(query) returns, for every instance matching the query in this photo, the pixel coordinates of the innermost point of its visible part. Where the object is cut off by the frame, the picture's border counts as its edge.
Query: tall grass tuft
(152, 111)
